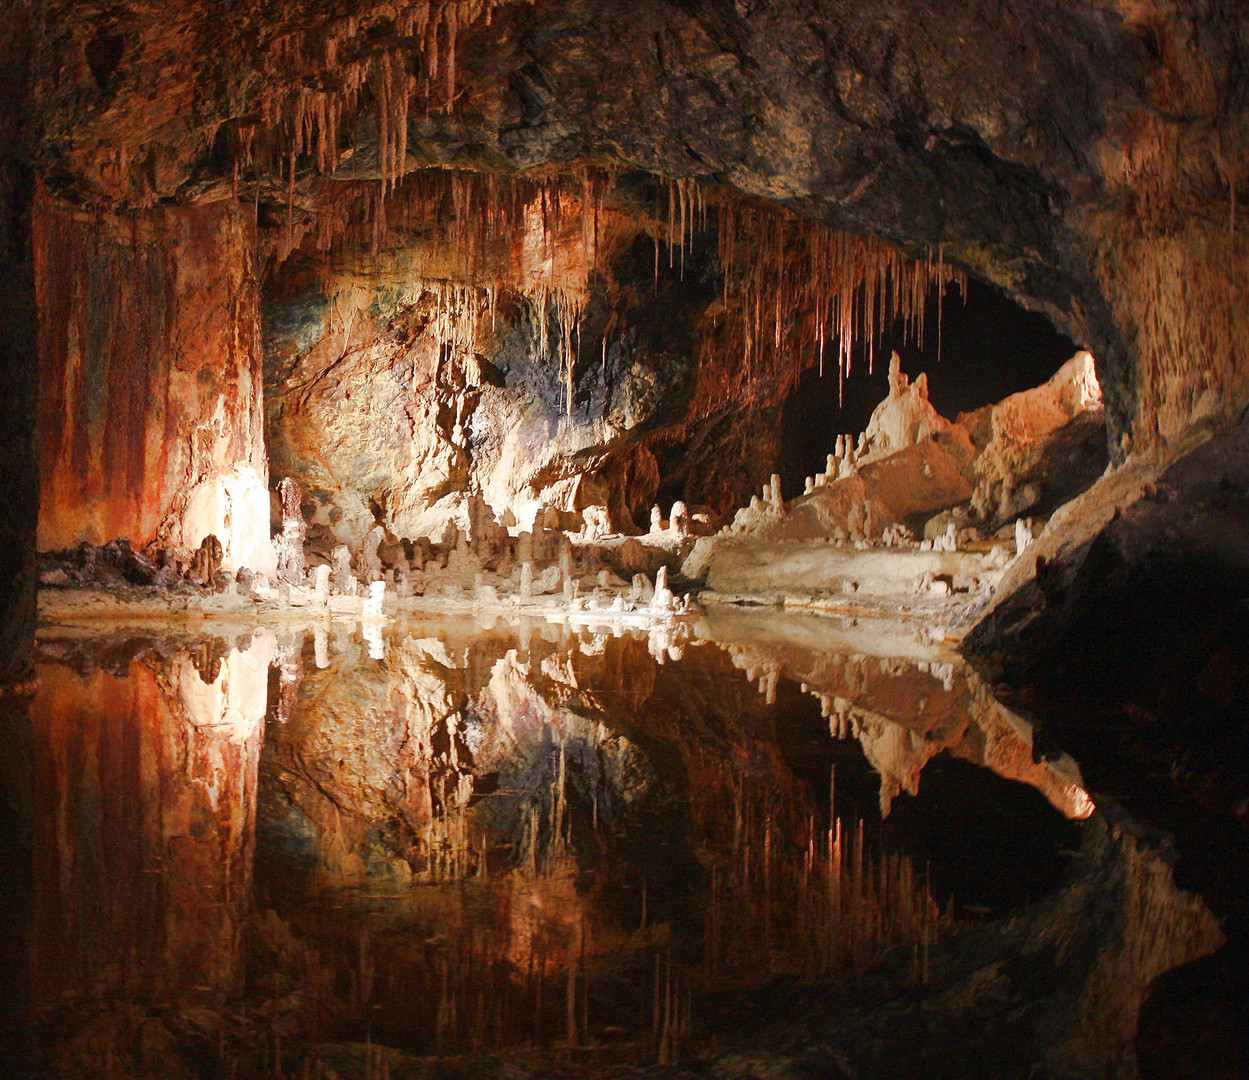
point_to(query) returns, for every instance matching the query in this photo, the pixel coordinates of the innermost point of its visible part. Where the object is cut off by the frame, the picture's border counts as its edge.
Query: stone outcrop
(922, 490)
(151, 411)
(1030, 454)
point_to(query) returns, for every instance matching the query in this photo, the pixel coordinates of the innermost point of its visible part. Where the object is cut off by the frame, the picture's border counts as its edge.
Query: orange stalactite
(415, 70)
(791, 286)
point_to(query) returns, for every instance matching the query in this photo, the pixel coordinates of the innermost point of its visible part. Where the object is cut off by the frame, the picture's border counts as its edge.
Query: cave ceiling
(1041, 145)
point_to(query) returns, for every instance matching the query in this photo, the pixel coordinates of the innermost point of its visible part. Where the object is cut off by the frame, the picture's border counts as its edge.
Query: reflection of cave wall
(145, 783)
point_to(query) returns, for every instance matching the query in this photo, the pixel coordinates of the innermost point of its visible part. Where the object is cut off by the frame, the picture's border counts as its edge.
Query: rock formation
(911, 474)
(290, 542)
(465, 269)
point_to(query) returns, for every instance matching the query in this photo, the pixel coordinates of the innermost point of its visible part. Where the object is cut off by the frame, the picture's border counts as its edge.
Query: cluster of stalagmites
(949, 498)
(490, 564)
(487, 565)
(918, 484)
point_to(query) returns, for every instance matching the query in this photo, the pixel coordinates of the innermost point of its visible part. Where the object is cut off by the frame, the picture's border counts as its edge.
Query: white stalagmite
(679, 520)
(370, 561)
(374, 602)
(342, 567)
(290, 542)
(1023, 535)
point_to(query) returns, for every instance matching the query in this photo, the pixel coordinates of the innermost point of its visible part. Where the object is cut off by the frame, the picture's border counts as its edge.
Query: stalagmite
(679, 520)
(245, 579)
(370, 561)
(206, 562)
(374, 602)
(948, 540)
(537, 539)
(322, 578)
(565, 566)
(526, 579)
(662, 592)
(551, 581)
(342, 568)
(290, 543)
(657, 520)
(1023, 535)
(597, 522)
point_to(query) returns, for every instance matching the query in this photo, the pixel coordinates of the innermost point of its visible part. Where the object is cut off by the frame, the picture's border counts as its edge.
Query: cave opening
(622, 535)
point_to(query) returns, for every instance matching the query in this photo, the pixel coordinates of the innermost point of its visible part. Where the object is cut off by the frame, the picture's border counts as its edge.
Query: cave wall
(151, 411)
(401, 383)
(19, 387)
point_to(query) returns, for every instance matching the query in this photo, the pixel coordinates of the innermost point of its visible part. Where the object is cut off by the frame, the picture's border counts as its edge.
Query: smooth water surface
(257, 848)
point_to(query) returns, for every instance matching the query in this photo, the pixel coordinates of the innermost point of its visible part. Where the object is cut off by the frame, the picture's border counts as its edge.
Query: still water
(274, 851)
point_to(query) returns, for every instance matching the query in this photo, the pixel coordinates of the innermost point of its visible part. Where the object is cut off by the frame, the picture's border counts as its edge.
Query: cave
(624, 537)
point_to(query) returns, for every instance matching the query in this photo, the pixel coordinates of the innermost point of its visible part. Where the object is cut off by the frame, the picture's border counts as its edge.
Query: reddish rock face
(149, 361)
(143, 856)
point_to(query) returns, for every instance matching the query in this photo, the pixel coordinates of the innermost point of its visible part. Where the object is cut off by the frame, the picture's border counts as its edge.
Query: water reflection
(145, 796)
(904, 703)
(455, 837)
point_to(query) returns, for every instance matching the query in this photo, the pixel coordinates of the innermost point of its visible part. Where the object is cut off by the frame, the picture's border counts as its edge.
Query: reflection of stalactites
(785, 887)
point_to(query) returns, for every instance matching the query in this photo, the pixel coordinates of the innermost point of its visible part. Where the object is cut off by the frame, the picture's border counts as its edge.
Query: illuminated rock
(235, 701)
(232, 505)
(206, 561)
(290, 541)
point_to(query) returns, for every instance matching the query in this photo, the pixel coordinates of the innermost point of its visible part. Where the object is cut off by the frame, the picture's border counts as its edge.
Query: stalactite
(792, 287)
(458, 234)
